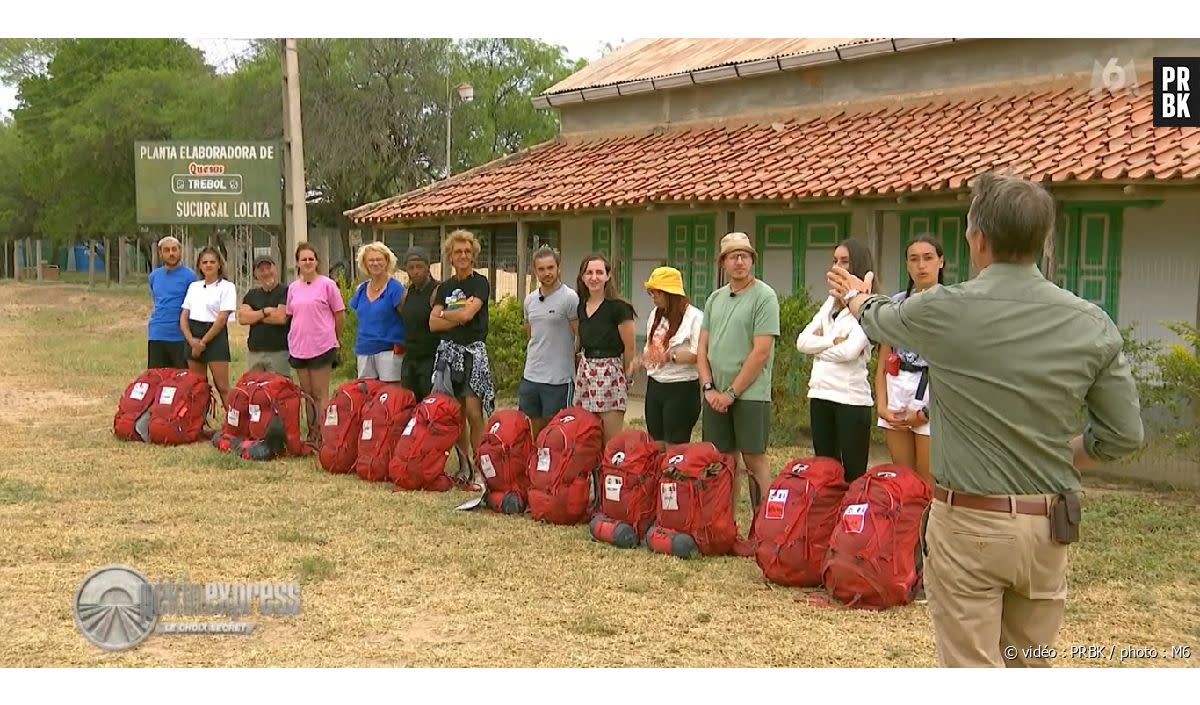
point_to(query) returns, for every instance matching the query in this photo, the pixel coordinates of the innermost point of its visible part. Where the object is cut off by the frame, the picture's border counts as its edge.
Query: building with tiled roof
(670, 143)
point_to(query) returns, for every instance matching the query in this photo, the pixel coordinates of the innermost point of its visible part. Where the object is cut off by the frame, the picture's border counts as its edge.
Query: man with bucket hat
(734, 358)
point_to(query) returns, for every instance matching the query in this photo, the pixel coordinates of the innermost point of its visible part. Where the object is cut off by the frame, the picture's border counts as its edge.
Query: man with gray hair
(1012, 358)
(169, 283)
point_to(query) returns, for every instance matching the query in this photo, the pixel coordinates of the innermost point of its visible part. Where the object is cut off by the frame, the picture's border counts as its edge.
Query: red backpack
(418, 461)
(872, 553)
(343, 424)
(793, 525)
(383, 418)
(130, 421)
(628, 488)
(237, 403)
(695, 502)
(277, 395)
(503, 458)
(180, 409)
(563, 466)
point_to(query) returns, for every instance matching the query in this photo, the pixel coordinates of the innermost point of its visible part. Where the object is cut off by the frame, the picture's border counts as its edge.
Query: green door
(602, 243)
(949, 227)
(784, 242)
(1088, 254)
(691, 248)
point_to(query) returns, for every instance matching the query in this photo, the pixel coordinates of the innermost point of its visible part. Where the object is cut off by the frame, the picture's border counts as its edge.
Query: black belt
(599, 354)
(912, 368)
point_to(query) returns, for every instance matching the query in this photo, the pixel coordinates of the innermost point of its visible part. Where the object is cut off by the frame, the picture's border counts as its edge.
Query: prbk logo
(1173, 103)
(1113, 78)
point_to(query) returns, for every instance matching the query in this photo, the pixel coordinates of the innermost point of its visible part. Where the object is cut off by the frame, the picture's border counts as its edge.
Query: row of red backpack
(166, 406)
(379, 431)
(859, 541)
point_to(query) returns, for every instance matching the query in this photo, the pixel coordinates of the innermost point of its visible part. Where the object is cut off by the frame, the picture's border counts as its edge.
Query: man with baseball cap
(734, 358)
(263, 309)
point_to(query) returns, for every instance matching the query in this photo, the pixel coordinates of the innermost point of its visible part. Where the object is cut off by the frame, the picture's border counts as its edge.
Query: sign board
(209, 183)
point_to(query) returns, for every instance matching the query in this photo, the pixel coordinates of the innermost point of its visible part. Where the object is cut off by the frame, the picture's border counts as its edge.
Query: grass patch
(294, 535)
(132, 549)
(18, 491)
(312, 569)
(591, 625)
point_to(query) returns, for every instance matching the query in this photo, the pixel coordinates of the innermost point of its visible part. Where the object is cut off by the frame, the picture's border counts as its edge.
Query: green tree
(506, 75)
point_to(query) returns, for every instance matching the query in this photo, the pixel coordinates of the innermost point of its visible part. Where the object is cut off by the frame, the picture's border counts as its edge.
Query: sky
(222, 53)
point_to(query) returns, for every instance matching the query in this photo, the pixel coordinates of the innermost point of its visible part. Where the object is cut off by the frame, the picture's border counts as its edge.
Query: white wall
(1160, 266)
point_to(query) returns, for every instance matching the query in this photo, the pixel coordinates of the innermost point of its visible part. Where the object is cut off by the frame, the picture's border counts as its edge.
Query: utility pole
(294, 192)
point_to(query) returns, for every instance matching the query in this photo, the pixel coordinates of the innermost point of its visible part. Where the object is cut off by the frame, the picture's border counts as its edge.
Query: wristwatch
(709, 386)
(732, 394)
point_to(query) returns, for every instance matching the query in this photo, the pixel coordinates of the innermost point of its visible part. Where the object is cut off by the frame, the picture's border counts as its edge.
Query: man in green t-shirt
(735, 356)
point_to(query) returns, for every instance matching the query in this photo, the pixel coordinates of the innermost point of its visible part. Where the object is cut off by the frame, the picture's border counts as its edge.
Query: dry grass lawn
(394, 579)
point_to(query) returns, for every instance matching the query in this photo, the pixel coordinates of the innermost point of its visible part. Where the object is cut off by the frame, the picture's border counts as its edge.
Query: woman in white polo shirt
(841, 408)
(206, 309)
(669, 356)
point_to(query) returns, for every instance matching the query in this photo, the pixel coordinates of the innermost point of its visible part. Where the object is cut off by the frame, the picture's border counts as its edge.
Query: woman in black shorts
(206, 309)
(669, 357)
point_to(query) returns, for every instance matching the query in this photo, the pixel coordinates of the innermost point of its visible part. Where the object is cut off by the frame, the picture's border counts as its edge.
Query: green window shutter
(704, 248)
(601, 235)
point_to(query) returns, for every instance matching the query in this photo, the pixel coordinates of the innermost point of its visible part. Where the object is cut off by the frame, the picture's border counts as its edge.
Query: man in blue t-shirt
(168, 285)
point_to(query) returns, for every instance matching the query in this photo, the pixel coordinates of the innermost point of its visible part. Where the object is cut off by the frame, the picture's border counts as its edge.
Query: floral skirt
(601, 385)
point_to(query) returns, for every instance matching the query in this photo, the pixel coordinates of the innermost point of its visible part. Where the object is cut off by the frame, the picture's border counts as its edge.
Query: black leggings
(671, 410)
(842, 432)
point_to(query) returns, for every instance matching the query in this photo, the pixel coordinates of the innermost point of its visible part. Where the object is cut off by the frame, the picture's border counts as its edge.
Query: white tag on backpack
(408, 429)
(331, 416)
(139, 391)
(485, 464)
(669, 496)
(543, 464)
(232, 417)
(776, 500)
(366, 433)
(255, 413)
(612, 488)
(167, 395)
(854, 519)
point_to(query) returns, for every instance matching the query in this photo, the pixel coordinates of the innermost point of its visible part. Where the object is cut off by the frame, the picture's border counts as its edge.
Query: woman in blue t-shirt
(902, 377)
(379, 346)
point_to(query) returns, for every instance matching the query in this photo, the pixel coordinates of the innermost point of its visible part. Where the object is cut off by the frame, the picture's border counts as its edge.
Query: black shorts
(329, 358)
(672, 409)
(416, 375)
(167, 353)
(217, 349)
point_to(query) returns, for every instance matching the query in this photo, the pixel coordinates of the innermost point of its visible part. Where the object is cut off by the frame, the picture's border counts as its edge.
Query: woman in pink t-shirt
(316, 309)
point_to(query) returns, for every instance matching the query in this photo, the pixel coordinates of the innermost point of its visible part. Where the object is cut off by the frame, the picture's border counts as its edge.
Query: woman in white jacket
(840, 403)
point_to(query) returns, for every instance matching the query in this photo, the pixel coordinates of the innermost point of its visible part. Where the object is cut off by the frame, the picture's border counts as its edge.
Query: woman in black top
(606, 332)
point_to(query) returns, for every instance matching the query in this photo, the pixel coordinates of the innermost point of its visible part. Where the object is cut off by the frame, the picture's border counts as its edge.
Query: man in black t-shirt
(263, 309)
(460, 318)
(416, 371)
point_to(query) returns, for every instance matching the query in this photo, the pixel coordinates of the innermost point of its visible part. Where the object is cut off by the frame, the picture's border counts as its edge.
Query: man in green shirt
(734, 356)
(1012, 359)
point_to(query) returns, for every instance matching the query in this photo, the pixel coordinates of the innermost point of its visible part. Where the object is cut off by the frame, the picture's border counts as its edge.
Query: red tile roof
(1059, 135)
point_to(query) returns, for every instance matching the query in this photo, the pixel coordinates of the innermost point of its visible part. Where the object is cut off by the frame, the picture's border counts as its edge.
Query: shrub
(789, 376)
(506, 345)
(1179, 370)
(347, 368)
